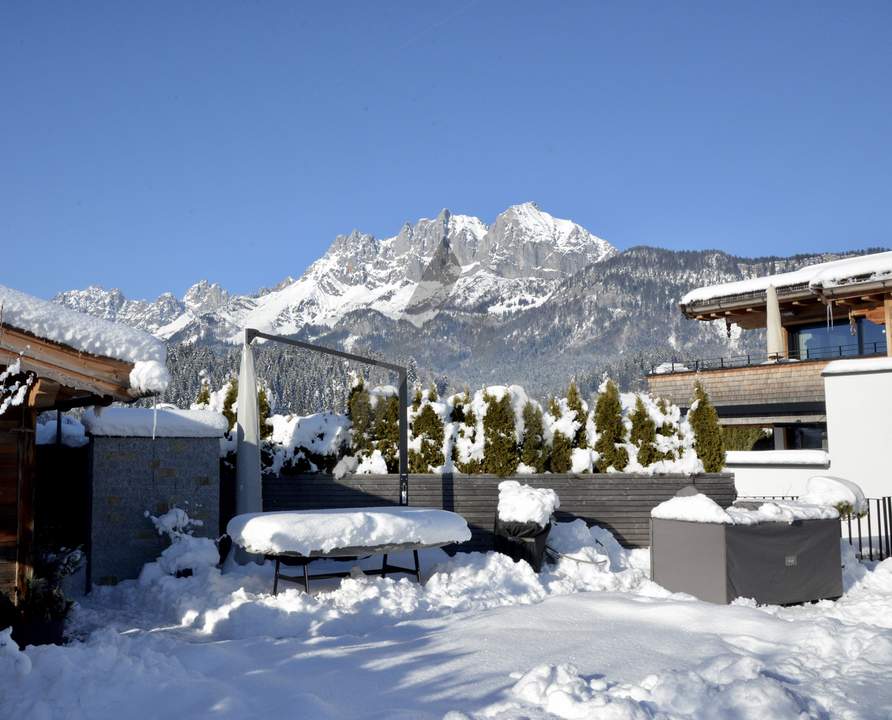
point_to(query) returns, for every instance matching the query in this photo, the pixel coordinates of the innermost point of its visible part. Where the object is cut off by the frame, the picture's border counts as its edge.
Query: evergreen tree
(736, 437)
(204, 394)
(229, 400)
(263, 413)
(416, 399)
(386, 431)
(554, 407)
(644, 434)
(499, 436)
(704, 421)
(533, 452)
(561, 460)
(574, 403)
(429, 429)
(432, 394)
(359, 410)
(609, 425)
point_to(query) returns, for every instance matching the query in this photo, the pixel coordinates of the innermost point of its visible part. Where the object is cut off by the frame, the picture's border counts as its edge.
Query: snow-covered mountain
(455, 262)
(529, 299)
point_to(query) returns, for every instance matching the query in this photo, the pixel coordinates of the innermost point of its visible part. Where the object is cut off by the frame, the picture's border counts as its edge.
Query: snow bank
(77, 330)
(307, 531)
(525, 504)
(817, 458)
(73, 433)
(142, 422)
(844, 495)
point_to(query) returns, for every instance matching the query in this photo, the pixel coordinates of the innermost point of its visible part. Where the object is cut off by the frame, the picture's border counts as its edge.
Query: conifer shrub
(643, 434)
(432, 394)
(735, 437)
(574, 403)
(229, 401)
(704, 421)
(386, 431)
(500, 454)
(263, 413)
(204, 394)
(459, 403)
(416, 398)
(609, 425)
(554, 407)
(429, 429)
(561, 458)
(359, 410)
(533, 451)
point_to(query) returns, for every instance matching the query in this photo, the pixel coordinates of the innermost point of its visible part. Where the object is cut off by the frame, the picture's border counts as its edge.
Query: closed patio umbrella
(774, 330)
(248, 488)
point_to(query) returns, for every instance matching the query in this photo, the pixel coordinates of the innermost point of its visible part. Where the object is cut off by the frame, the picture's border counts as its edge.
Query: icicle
(154, 415)
(829, 315)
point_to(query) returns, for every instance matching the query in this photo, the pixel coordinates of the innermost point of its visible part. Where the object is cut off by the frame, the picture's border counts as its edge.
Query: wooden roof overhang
(67, 377)
(799, 304)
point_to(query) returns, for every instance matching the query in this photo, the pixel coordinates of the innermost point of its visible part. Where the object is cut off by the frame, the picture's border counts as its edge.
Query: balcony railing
(828, 352)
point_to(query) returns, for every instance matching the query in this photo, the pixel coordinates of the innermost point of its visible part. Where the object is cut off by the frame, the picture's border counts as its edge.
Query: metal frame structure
(251, 334)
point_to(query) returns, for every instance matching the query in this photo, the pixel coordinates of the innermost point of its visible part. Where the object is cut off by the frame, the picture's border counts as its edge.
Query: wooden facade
(64, 378)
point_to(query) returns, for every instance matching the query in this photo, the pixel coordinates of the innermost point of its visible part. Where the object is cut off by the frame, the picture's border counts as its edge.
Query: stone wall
(134, 475)
(620, 502)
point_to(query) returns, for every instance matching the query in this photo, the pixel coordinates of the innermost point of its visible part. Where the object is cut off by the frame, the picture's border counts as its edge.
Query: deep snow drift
(483, 637)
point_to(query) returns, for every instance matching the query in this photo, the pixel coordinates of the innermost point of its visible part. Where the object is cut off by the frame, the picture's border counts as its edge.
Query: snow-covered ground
(483, 638)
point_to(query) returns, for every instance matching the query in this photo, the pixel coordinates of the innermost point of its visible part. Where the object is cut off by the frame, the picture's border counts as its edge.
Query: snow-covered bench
(298, 537)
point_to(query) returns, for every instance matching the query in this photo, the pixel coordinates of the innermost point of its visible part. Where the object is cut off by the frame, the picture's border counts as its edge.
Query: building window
(818, 341)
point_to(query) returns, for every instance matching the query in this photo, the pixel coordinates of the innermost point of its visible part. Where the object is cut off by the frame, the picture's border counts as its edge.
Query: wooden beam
(887, 305)
(80, 371)
(43, 394)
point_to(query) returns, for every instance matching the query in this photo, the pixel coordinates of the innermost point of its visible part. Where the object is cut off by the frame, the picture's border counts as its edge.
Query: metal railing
(828, 352)
(871, 532)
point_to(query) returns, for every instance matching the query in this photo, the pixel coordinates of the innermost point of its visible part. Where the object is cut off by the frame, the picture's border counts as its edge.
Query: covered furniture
(296, 538)
(775, 553)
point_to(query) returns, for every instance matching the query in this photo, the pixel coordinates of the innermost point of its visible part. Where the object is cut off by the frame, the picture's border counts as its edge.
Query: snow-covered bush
(533, 452)
(426, 433)
(610, 445)
(500, 455)
(186, 554)
(14, 385)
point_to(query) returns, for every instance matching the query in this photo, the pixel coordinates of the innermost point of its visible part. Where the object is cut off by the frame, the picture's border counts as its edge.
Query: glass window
(820, 341)
(873, 337)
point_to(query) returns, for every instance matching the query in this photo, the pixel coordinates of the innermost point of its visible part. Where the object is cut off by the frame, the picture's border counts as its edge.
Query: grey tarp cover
(773, 563)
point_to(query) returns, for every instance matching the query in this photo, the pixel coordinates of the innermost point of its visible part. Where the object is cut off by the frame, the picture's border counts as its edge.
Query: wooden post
(887, 304)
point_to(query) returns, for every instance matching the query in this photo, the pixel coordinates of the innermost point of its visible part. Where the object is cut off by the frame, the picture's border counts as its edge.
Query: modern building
(820, 313)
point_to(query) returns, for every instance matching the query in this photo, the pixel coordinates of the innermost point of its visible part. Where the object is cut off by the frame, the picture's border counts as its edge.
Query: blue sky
(148, 145)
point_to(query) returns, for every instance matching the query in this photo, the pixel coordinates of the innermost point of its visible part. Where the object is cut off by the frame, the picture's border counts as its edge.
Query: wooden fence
(620, 502)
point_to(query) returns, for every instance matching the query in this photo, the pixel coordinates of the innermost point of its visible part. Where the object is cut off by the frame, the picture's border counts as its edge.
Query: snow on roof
(57, 323)
(307, 531)
(142, 422)
(858, 365)
(828, 274)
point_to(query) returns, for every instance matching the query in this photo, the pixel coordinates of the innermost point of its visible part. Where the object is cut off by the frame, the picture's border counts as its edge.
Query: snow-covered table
(298, 537)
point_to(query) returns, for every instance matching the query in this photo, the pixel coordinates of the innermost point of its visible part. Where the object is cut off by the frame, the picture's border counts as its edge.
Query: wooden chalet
(55, 377)
(820, 313)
